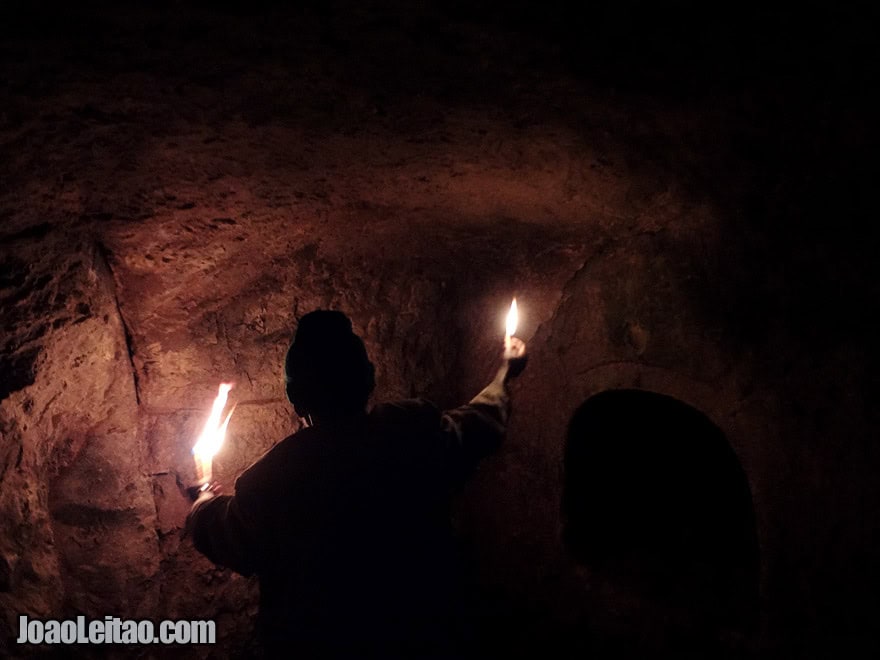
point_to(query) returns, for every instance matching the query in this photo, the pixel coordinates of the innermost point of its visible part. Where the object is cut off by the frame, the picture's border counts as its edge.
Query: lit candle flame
(512, 322)
(212, 436)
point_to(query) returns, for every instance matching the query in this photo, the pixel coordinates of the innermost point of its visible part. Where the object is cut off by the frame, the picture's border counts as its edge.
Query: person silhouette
(346, 523)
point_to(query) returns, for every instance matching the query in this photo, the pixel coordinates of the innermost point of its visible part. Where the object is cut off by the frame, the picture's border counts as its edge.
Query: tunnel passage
(655, 500)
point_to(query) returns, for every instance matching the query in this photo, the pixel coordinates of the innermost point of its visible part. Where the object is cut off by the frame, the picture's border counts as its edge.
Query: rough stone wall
(78, 516)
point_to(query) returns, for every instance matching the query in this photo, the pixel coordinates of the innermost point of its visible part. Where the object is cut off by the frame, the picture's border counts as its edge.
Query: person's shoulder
(406, 411)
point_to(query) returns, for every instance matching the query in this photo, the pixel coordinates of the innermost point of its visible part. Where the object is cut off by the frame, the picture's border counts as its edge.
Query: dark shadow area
(655, 501)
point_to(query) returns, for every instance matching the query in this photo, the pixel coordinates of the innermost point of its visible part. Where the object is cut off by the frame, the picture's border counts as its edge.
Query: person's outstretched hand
(515, 357)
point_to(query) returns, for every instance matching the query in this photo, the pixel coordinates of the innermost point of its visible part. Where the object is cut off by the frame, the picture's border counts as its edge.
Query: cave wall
(78, 516)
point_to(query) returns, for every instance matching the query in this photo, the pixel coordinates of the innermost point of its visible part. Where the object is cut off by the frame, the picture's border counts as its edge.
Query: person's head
(327, 371)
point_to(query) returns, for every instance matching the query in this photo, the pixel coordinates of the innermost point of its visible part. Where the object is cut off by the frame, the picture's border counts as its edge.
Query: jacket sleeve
(475, 430)
(222, 532)
(229, 529)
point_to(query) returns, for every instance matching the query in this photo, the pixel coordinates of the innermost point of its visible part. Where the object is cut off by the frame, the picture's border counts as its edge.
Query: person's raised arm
(477, 429)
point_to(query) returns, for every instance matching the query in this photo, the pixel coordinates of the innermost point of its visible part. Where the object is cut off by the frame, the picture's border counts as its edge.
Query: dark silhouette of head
(327, 371)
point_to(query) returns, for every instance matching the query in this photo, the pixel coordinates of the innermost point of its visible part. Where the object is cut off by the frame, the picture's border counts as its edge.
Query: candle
(212, 436)
(512, 322)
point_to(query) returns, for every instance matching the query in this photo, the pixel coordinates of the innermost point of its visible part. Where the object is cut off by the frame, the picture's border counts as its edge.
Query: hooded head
(327, 371)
